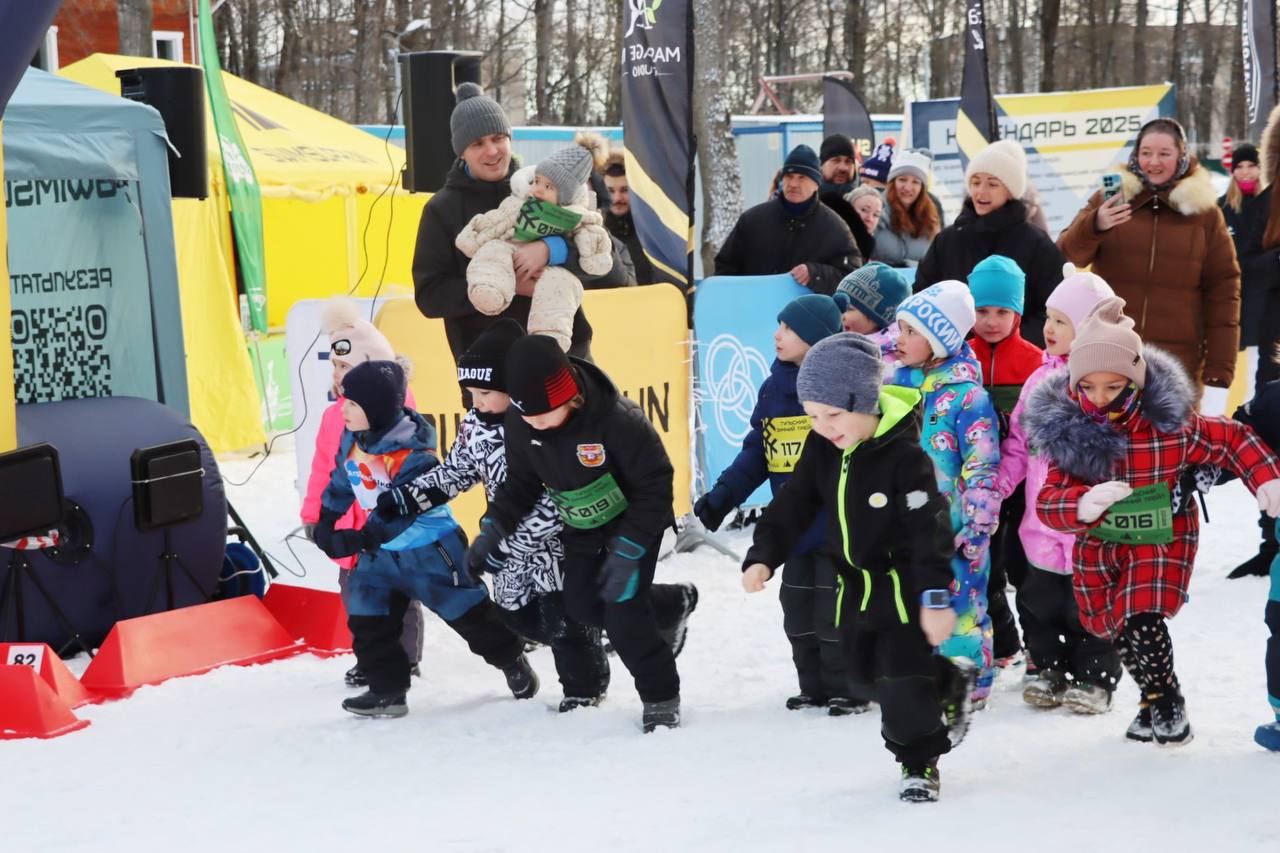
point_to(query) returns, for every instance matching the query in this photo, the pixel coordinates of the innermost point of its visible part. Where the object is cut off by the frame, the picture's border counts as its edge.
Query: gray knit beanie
(844, 371)
(475, 116)
(568, 169)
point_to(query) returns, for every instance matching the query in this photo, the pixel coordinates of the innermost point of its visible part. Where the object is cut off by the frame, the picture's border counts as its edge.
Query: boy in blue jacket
(386, 445)
(779, 427)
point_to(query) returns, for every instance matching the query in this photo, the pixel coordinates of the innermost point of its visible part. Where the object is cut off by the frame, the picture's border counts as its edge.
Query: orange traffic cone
(30, 708)
(314, 616)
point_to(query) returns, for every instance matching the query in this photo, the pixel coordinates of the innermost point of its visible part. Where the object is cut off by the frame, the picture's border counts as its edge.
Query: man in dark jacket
(477, 183)
(617, 217)
(792, 233)
(839, 178)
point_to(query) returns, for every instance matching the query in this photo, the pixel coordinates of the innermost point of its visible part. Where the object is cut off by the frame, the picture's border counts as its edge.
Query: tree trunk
(289, 69)
(543, 35)
(250, 35)
(1017, 70)
(1175, 59)
(613, 68)
(134, 17)
(227, 40)
(717, 152)
(1050, 12)
(1235, 120)
(940, 82)
(574, 97)
(857, 21)
(1140, 75)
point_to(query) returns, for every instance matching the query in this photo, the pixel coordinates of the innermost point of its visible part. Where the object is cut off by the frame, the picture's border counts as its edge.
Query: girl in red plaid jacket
(1120, 429)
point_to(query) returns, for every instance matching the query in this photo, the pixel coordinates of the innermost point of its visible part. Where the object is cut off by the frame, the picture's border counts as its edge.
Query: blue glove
(620, 572)
(482, 555)
(712, 507)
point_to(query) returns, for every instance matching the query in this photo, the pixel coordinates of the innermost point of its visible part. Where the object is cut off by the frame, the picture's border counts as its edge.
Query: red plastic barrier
(40, 657)
(30, 708)
(314, 616)
(188, 641)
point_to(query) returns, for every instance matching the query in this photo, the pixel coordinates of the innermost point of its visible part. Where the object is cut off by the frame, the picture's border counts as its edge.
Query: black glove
(620, 572)
(712, 507)
(482, 556)
(348, 543)
(399, 502)
(322, 531)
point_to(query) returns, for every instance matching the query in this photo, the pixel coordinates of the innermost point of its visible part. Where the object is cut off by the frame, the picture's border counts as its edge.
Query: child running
(1120, 428)
(889, 532)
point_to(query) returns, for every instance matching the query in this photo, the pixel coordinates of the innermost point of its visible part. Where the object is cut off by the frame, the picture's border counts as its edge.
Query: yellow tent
(320, 178)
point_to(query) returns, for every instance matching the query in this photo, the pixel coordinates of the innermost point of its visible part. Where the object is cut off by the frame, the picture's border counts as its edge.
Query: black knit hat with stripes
(539, 377)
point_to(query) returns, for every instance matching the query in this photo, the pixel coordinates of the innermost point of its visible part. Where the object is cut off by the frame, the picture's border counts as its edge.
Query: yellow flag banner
(8, 426)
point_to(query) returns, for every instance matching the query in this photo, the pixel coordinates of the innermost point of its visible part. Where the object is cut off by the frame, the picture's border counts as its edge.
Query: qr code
(59, 353)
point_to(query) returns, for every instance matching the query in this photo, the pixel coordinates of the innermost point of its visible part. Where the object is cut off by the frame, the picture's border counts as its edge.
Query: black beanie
(378, 388)
(836, 145)
(539, 377)
(1245, 152)
(484, 364)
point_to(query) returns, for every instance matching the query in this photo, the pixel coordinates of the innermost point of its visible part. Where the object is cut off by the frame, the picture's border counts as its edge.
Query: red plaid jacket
(1113, 582)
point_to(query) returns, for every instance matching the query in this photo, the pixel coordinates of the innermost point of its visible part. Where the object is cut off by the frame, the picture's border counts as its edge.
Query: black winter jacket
(624, 229)
(834, 199)
(971, 238)
(1259, 268)
(440, 270)
(888, 529)
(609, 436)
(768, 240)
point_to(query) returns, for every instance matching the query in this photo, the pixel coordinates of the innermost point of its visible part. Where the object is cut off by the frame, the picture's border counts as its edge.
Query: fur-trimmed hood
(1191, 195)
(1269, 148)
(1058, 428)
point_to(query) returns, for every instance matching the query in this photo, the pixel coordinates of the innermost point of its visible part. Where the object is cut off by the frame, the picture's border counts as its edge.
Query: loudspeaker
(428, 80)
(168, 484)
(30, 492)
(177, 93)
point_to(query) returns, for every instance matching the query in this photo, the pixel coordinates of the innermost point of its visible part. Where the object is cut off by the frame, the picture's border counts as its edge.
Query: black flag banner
(1259, 46)
(844, 112)
(976, 122)
(657, 124)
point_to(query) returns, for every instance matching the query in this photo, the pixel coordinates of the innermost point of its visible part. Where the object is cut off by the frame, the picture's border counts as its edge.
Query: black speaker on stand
(177, 93)
(167, 490)
(428, 80)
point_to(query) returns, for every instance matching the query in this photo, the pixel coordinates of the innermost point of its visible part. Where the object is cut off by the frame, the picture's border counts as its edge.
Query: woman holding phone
(1162, 244)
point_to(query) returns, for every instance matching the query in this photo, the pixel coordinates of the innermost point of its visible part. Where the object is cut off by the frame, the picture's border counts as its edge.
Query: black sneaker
(1169, 723)
(1140, 729)
(955, 693)
(665, 715)
(355, 677)
(800, 701)
(572, 703)
(843, 706)
(675, 635)
(370, 704)
(521, 678)
(920, 784)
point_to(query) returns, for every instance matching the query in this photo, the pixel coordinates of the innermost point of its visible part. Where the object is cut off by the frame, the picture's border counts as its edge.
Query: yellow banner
(8, 428)
(648, 360)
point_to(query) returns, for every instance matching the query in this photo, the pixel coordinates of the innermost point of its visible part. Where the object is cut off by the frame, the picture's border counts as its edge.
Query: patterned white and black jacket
(533, 552)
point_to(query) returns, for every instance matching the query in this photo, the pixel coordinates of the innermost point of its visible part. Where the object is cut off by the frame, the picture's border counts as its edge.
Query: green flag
(242, 183)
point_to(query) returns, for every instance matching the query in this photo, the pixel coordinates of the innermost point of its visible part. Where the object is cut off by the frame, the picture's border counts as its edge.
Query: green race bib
(538, 219)
(594, 505)
(783, 441)
(1143, 518)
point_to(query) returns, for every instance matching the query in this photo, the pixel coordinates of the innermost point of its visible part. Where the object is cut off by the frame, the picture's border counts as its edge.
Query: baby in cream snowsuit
(550, 200)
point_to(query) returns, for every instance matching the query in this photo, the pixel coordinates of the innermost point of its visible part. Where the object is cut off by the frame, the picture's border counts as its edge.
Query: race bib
(591, 506)
(1143, 518)
(783, 441)
(538, 219)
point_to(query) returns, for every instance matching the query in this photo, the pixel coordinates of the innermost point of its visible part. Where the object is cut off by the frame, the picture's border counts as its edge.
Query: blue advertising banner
(734, 319)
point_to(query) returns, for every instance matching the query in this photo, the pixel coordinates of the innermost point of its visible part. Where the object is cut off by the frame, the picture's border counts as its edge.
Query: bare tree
(717, 152)
(134, 18)
(1050, 13)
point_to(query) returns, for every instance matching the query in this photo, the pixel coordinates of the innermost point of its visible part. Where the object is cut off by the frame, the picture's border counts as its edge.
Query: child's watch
(935, 599)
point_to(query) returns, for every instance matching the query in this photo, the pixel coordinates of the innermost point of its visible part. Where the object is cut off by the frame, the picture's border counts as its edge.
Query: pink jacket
(1045, 548)
(322, 464)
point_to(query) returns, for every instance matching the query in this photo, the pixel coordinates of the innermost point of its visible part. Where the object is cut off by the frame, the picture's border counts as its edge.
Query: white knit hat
(914, 162)
(944, 314)
(1004, 159)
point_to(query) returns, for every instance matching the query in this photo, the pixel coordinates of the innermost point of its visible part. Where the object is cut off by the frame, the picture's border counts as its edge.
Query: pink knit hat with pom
(1078, 294)
(352, 339)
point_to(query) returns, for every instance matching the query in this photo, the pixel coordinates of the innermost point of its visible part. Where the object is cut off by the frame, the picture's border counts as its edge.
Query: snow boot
(1047, 690)
(1084, 697)
(355, 677)
(920, 784)
(573, 703)
(675, 635)
(1268, 736)
(843, 706)
(955, 691)
(370, 704)
(1140, 729)
(1169, 723)
(664, 715)
(521, 678)
(800, 701)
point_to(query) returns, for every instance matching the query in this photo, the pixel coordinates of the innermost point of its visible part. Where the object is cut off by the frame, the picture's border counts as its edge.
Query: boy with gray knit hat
(548, 201)
(889, 535)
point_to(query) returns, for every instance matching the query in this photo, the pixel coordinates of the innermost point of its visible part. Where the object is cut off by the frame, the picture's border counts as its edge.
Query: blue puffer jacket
(779, 427)
(408, 543)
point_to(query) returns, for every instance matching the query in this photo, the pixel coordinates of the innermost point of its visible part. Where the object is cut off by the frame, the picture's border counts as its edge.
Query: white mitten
(1269, 498)
(1099, 499)
(595, 248)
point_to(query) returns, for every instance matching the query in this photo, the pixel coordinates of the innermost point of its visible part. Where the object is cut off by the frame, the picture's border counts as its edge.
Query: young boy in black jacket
(889, 532)
(569, 432)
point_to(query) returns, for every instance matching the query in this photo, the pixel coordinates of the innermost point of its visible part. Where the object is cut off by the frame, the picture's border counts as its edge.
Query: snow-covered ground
(262, 758)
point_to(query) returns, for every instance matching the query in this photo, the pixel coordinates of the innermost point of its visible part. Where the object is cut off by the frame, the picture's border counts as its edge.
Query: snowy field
(263, 758)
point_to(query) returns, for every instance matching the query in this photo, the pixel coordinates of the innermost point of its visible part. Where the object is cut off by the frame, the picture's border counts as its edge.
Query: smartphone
(1110, 185)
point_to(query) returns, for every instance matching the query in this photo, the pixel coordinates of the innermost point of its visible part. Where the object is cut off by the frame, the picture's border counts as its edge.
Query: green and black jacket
(888, 529)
